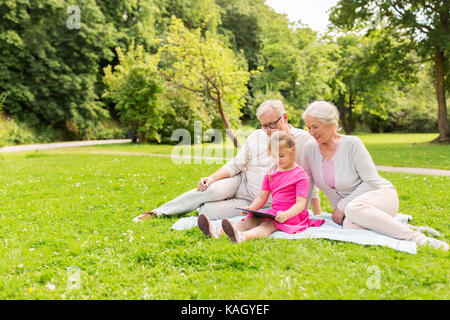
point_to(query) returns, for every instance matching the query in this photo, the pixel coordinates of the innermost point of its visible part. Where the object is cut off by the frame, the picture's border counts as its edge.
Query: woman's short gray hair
(323, 111)
(275, 105)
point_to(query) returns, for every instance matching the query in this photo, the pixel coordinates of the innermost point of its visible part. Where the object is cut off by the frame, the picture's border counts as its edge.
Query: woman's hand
(204, 183)
(338, 216)
(281, 217)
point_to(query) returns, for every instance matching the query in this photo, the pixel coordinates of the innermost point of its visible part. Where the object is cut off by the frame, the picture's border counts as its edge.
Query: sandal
(205, 225)
(229, 228)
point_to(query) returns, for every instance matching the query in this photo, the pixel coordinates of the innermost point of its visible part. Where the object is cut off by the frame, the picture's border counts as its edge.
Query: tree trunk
(341, 106)
(439, 59)
(230, 133)
(350, 114)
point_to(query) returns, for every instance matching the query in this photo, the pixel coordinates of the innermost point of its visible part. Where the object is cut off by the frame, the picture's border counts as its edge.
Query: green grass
(61, 212)
(407, 150)
(399, 150)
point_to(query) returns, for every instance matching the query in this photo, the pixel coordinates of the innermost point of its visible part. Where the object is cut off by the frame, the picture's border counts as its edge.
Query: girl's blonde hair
(278, 140)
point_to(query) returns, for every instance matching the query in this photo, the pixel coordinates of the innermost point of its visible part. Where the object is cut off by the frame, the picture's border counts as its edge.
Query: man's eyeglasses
(271, 125)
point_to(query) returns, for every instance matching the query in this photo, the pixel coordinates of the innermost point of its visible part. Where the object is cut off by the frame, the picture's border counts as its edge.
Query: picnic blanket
(329, 230)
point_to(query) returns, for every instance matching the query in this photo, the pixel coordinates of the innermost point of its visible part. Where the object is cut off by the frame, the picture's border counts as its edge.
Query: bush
(136, 88)
(13, 133)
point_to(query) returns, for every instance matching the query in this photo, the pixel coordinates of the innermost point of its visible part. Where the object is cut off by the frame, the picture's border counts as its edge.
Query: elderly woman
(343, 169)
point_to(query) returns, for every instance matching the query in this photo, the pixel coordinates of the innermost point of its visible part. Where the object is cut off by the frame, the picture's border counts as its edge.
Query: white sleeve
(313, 192)
(240, 161)
(301, 158)
(366, 170)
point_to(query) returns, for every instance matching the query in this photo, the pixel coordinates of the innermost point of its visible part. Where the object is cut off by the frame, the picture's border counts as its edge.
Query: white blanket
(329, 230)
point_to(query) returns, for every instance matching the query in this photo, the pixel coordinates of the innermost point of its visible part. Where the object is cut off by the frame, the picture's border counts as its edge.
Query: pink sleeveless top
(328, 168)
(328, 172)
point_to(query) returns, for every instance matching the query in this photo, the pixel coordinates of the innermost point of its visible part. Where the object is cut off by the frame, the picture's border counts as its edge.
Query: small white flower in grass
(50, 286)
(31, 249)
(20, 266)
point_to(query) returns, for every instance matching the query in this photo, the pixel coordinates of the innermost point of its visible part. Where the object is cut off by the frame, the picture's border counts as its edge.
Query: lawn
(407, 150)
(66, 233)
(399, 150)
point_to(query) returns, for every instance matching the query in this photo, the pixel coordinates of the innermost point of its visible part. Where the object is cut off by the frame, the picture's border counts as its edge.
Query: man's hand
(338, 216)
(281, 217)
(204, 183)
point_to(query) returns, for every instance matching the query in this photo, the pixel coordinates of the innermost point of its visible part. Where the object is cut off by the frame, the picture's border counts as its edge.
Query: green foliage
(426, 24)
(13, 132)
(136, 87)
(416, 112)
(203, 14)
(132, 20)
(52, 76)
(242, 23)
(295, 63)
(48, 69)
(202, 65)
(370, 72)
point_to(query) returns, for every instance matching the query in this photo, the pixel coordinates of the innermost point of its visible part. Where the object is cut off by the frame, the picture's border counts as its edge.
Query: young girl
(289, 186)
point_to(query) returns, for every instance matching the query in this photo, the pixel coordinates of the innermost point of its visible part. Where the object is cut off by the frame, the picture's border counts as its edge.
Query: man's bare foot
(144, 216)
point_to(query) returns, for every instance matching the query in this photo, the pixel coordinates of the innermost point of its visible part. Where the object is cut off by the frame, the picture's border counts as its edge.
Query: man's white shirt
(254, 160)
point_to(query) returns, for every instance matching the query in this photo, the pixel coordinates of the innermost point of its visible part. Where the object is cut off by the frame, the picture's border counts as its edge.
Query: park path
(35, 147)
(57, 145)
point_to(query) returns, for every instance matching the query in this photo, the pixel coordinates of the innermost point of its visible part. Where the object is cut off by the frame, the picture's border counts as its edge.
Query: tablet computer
(259, 214)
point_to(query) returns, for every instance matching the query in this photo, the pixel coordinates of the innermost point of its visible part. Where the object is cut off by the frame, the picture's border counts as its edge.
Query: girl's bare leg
(265, 229)
(249, 223)
(205, 225)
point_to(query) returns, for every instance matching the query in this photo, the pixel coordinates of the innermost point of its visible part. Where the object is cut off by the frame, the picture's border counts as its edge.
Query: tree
(204, 66)
(203, 14)
(242, 22)
(425, 23)
(295, 63)
(135, 86)
(368, 75)
(49, 60)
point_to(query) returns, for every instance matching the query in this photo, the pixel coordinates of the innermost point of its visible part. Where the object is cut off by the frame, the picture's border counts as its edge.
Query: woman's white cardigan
(355, 172)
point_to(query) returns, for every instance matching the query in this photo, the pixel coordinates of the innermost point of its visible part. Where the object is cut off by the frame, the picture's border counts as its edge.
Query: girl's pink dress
(285, 187)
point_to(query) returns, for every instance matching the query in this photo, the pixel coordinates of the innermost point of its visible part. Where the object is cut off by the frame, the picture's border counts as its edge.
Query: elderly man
(239, 181)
